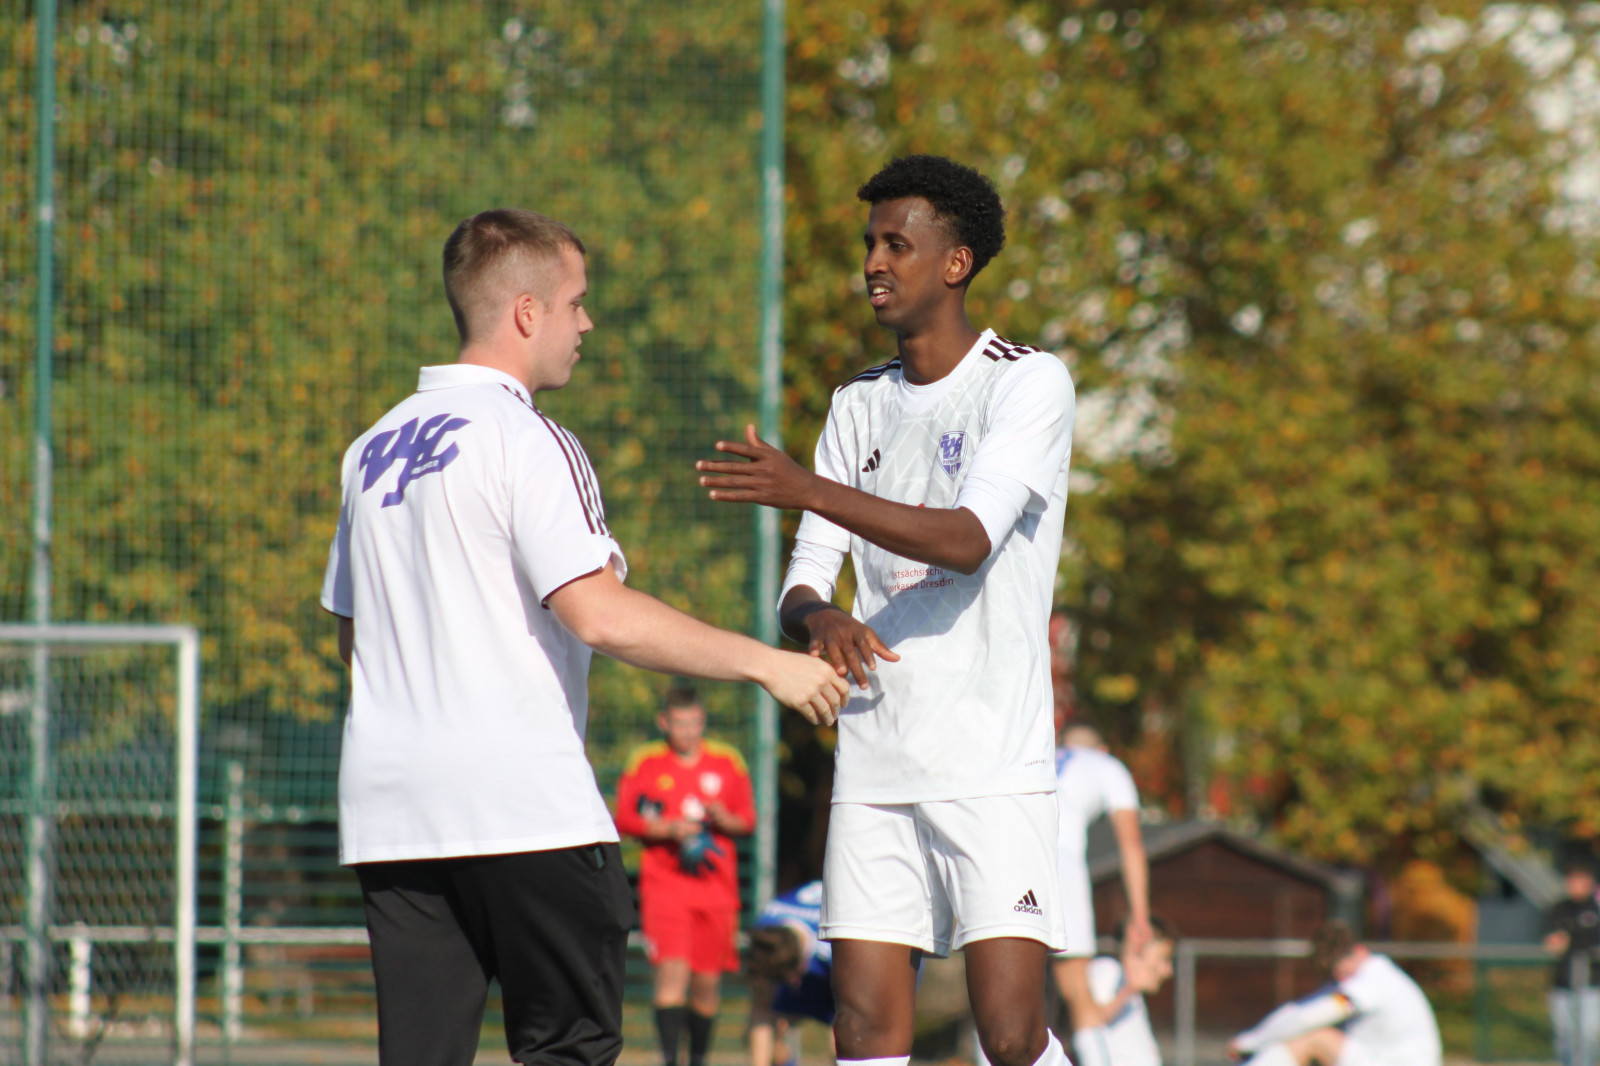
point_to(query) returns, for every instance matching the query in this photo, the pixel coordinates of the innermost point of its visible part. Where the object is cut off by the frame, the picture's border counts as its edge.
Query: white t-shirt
(1089, 783)
(462, 510)
(1125, 1040)
(1393, 1020)
(968, 709)
(1386, 1019)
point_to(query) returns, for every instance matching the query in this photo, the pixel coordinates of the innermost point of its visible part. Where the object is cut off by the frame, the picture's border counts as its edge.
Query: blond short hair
(496, 255)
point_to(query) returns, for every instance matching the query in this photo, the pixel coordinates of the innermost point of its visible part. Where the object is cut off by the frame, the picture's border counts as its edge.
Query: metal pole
(233, 906)
(41, 816)
(1184, 1002)
(767, 536)
(187, 797)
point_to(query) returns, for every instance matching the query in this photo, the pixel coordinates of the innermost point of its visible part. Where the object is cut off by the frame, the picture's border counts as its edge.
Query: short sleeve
(1365, 991)
(337, 596)
(829, 462)
(1105, 978)
(1121, 794)
(558, 523)
(1030, 428)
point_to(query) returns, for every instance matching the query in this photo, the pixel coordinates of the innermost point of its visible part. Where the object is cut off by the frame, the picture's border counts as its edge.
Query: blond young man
(472, 573)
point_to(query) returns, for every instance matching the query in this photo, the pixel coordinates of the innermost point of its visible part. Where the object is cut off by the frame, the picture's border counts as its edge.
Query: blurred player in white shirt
(1118, 987)
(943, 474)
(1372, 1015)
(1090, 782)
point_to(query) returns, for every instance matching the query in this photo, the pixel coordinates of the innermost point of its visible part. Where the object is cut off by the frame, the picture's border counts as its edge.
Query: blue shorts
(811, 998)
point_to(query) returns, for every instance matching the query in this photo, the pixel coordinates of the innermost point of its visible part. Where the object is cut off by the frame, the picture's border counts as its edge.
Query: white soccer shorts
(1077, 909)
(941, 874)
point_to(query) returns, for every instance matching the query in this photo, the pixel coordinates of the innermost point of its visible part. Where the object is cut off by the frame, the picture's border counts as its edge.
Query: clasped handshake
(840, 646)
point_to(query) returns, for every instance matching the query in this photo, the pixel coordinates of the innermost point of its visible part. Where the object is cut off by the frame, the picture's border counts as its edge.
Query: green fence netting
(251, 199)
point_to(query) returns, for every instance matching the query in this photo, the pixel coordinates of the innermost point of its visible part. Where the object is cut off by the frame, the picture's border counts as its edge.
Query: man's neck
(496, 358)
(934, 351)
(690, 757)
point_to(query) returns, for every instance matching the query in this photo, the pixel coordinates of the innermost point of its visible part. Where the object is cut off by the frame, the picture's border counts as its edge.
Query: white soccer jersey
(1393, 1021)
(1125, 1040)
(463, 509)
(1089, 783)
(967, 711)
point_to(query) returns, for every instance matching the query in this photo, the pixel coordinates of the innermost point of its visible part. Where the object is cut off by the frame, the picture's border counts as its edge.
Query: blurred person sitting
(1118, 986)
(791, 975)
(686, 797)
(1573, 926)
(1373, 1014)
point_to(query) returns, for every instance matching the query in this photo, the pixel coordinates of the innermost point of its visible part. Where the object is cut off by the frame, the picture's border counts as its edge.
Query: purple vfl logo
(419, 449)
(950, 451)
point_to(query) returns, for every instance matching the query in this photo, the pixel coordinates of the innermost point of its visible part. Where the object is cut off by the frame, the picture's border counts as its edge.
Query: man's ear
(525, 311)
(958, 268)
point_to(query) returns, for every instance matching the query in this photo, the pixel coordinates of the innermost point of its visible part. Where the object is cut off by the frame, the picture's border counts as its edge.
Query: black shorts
(552, 926)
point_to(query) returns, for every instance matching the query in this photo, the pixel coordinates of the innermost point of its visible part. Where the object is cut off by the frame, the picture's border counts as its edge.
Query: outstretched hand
(801, 682)
(849, 644)
(762, 474)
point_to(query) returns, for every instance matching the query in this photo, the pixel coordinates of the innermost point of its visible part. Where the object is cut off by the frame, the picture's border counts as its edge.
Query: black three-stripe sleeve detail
(873, 373)
(579, 476)
(584, 478)
(591, 482)
(999, 348)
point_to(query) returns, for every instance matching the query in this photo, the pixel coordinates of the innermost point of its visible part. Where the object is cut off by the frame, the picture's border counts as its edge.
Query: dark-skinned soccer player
(943, 473)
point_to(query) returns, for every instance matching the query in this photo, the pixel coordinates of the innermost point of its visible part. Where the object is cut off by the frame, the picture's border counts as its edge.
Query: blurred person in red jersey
(686, 798)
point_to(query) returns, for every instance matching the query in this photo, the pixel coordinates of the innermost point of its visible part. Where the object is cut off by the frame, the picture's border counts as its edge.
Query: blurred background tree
(253, 198)
(1331, 312)
(1323, 277)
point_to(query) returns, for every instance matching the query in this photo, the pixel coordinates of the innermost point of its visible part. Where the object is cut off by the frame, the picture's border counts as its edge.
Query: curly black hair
(964, 200)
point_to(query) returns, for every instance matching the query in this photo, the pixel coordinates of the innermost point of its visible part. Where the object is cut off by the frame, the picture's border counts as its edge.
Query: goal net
(97, 843)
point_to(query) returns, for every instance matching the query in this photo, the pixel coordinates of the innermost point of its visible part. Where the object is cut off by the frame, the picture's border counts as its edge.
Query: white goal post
(39, 932)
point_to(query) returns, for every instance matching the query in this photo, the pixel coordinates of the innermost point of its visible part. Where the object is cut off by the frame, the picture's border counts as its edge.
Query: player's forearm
(1118, 1001)
(1295, 1019)
(951, 538)
(763, 1042)
(800, 603)
(1135, 864)
(640, 630)
(1136, 879)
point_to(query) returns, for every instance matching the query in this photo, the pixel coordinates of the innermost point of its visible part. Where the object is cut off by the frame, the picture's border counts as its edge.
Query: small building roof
(1165, 839)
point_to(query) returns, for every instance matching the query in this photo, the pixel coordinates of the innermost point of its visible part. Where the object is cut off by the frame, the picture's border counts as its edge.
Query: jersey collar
(456, 375)
(959, 371)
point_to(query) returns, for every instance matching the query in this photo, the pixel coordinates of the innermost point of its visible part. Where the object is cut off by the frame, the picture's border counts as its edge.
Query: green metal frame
(36, 965)
(766, 519)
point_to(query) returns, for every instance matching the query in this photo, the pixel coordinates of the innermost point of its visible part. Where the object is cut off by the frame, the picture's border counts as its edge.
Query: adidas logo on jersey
(872, 463)
(1028, 904)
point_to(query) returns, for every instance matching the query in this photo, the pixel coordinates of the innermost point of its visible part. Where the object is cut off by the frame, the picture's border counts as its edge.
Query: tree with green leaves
(252, 199)
(1331, 313)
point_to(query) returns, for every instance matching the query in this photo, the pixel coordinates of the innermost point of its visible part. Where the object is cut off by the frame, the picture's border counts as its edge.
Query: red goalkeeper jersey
(657, 784)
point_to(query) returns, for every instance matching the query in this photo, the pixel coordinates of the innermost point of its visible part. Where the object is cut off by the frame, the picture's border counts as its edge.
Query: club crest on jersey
(417, 448)
(950, 446)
